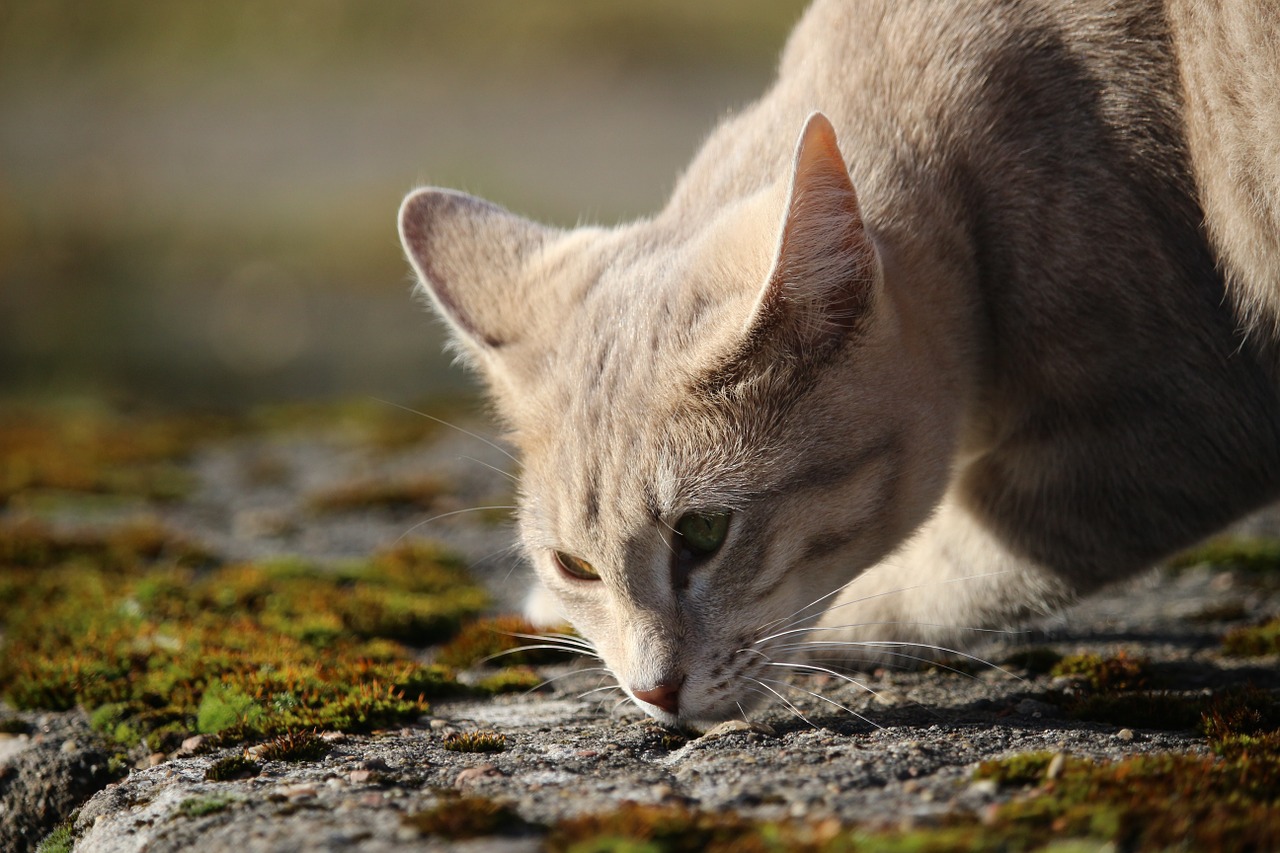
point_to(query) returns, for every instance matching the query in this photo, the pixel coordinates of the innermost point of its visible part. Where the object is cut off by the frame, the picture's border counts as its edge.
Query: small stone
(300, 792)
(729, 727)
(984, 787)
(1125, 735)
(69, 745)
(889, 698)
(472, 775)
(1056, 765)
(587, 753)
(333, 737)
(438, 724)
(373, 764)
(155, 759)
(360, 777)
(192, 744)
(336, 782)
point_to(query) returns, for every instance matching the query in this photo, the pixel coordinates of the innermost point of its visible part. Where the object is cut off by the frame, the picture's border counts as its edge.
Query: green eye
(576, 568)
(703, 532)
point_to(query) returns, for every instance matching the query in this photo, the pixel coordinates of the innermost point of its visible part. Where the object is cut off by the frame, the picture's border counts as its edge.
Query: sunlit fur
(971, 362)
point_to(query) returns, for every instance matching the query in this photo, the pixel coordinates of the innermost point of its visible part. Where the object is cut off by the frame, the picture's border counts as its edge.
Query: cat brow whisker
(891, 664)
(547, 646)
(446, 515)
(569, 639)
(442, 422)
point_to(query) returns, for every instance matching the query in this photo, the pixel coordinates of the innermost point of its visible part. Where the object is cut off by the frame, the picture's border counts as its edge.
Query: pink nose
(664, 696)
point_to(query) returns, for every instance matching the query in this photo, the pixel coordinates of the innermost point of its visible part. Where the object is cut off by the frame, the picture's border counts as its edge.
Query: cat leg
(943, 589)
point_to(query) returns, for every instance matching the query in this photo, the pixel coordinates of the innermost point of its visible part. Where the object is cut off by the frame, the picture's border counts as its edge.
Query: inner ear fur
(823, 279)
(469, 255)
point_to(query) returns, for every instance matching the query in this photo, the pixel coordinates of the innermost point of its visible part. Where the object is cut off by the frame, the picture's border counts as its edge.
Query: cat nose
(665, 696)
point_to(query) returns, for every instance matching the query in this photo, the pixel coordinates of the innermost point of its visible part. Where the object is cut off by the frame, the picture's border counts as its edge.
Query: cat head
(717, 419)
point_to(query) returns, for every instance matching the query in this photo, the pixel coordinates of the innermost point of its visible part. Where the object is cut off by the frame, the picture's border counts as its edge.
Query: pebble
(1125, 735)
(192, 744)
(360, 777)
(471, 775)
(1056, 765)
(729, 727)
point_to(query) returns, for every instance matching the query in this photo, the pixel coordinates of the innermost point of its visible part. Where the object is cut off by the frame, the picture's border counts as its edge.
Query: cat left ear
(823, 279)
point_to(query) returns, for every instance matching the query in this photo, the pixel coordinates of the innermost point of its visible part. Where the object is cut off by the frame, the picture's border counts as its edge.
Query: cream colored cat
(960, 353)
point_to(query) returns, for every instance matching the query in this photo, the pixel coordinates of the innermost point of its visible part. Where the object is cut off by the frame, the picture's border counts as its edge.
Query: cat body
(964, 351)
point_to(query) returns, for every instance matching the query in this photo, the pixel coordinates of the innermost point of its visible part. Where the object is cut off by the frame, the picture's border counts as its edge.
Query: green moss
(479, 741)
(293, 746)
(201, 806)
(61, 840)
(508, 639)
(1025, 769)
(467, 817)
(154, 649)
(1161, 710)
(1260, 556)
(416, 493)
(1242, 712)
(1118, 672)
(94, 451)
(1253, 641)
(234, 766)
(513, 679)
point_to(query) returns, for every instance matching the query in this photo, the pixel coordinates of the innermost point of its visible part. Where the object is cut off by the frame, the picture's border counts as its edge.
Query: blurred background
(197, 199)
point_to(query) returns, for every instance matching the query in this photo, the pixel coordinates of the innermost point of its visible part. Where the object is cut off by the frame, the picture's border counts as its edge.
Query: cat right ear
(824, 277)
(469, 255)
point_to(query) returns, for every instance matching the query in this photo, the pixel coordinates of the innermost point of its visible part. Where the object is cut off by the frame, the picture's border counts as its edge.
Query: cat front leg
(949, 585)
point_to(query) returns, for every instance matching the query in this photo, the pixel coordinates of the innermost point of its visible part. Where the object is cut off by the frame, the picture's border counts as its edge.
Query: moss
(125, 625)
(1256, 556)
(513, 679)
(61, 840)
(234, 766)
(467, 817)
(1241, 712)
(1027, 768)
(90, 450)
(635, 827)
(293, 746)
(1161, 710)
(1253, 641)
(14, 726)
(193, 807)
(479, 741)
(1118, 672)
(416, 493)
(509, 639)
(1037, 660)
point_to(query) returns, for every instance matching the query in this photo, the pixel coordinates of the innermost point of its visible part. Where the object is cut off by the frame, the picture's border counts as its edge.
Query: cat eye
(702, 533)
(576, 568)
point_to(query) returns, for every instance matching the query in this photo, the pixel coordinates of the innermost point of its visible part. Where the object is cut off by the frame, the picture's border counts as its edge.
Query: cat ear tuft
(823, 279)
(468, 254)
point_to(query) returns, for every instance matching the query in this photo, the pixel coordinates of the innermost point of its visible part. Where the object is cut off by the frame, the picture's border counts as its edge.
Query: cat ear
(469, 255)
(823, 279)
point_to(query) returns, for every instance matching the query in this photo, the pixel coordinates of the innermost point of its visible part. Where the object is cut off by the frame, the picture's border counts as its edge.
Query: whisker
(512, 477)
(546, 646)
(839, 589)
(900, 644)
(829, 701)
(785, 701)
(433, 418)
(446, 515)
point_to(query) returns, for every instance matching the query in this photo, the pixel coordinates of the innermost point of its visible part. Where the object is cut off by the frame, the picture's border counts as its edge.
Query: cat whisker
(787, 703)
(455, 427)
(568, 639)
(891, 644)
(447, 515)
(539, 646)
(816, 628)
(797, 619)
(830, 701)
(512, 477)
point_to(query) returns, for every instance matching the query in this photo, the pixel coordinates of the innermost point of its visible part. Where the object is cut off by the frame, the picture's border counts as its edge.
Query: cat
(998, 329)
